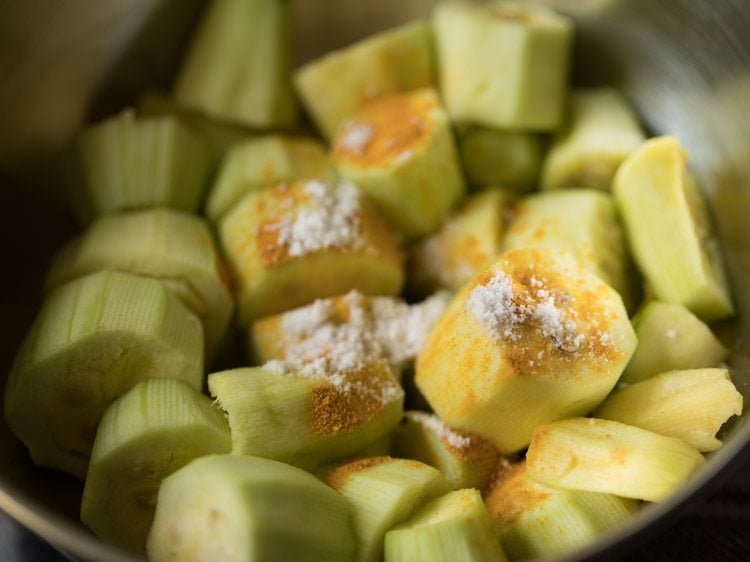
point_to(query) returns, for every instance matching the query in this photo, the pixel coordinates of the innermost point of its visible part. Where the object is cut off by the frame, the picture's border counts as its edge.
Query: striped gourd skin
(93, 339)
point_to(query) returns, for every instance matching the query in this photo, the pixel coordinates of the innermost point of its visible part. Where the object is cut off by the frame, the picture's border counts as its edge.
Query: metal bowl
(685, 64)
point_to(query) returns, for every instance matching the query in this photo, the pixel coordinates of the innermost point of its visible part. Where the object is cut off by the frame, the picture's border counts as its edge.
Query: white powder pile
(502, 311)
(401, 329)
(356, 137)
(435, 424)
(317, 346)
(329, 220)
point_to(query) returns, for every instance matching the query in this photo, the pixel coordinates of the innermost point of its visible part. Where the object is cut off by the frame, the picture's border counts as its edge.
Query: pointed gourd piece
(289, 245)
(151, 431)
(453, 528)
(465, 460)
(503, 64)
(307, 418)
(399, 149)
(610, 457)
(265, 162)
(94, 339)
(583, 222)
(533, 324)
(495, 157)
(334, 87)
(691, 405)
(467, 242)
(238, 65)
(668, 228)
(125, 162)
(236, 508)
(383, 492)
(533, 520)
(162, 243)
(602, 131)
(670, 337)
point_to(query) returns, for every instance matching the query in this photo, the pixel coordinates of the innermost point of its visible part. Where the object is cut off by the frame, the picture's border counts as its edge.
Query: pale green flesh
(452, 528)
(238, 508)
(382, 496)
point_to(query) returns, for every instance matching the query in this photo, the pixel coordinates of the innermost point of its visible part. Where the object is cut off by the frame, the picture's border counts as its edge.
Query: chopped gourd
(162, 243)
(668, 228)
(532, 520)
(467, 242)
(610, 457)
(238, 65)
(382, 327)
(464, 459)
(235, 508)
(157, 427)
(452, 528)
(670, 337)
(93, 340)
(336, 86)
(220, 136)
(601, 132)
(125, 163)
(399, 149)
(492, 157)
(503, 64)
(309, 413)
(583, 222)
(533, 324)
(383, 492)
(264, 162)
(690, 404)
(293, 243)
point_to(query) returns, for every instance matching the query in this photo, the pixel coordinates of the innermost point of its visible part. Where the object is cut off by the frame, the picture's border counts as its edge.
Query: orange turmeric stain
(398, 123)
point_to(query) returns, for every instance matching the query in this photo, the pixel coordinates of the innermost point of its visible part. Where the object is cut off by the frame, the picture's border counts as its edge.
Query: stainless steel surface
(685, 64)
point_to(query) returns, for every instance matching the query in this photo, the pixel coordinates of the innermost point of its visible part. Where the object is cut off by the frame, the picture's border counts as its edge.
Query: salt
(356, 137)
(330, 220)
(435, 424)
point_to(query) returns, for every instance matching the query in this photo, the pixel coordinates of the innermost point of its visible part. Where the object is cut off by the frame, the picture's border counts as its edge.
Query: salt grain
(437, 425)
(356, 137)
(671, 334)
(502, 311)
(330, 220)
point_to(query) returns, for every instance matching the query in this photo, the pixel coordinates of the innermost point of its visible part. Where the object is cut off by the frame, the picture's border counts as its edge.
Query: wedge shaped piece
(610, 457)
(125, 163)
(265, 162)
(383, 492)
(220, 136)
(399, 149)
(453, 528)
(465, 460)
(334, 87)
(291, 244)
(491, 157)
(503, 64)
(376, 327)
(533, 324)
(93, 339)
(169, 245)
(154, 429)
(533, 520)
(468, 242)
(668, 228)
(691, 405)
(583, 222)
(670, 337)
(235, 508)
(602, 131)
(309, 417)
(238, 66)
